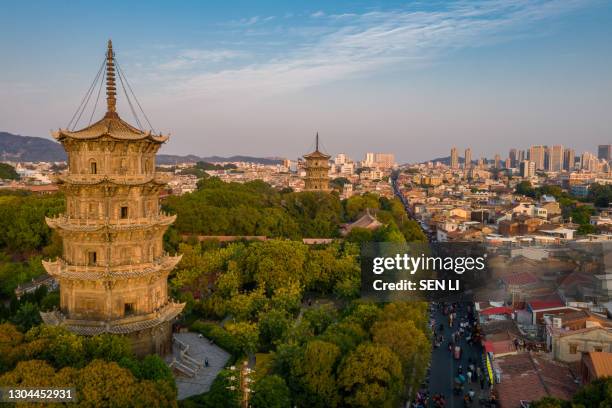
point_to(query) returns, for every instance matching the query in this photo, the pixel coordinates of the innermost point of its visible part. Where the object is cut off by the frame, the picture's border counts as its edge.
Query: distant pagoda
(113, 273)
(317, 170)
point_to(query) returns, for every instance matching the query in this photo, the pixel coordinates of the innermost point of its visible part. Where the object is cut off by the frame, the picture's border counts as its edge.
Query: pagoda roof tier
(104, 224)
(317, 155)
(111, 126)
(61, 269)
(95, 179)
(124, 325)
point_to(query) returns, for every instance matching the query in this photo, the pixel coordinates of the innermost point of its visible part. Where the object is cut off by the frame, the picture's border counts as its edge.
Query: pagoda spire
(111, 89)
(317, 143)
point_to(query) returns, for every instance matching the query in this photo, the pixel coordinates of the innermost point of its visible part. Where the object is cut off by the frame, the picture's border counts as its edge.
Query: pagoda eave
(317, 155)
(62, 270)
(70, 225)
(106, 180)
(124, 325)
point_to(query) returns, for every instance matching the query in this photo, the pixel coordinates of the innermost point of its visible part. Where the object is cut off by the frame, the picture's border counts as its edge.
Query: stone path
(199, 349)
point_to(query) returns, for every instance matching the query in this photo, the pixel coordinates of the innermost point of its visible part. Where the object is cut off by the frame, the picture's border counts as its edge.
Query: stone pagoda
(113, 272)
(317, 170)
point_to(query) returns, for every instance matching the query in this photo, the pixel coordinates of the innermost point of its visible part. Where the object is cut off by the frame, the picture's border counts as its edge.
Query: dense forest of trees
(24, 237)
(362, 355)
(292, 302)
(255, 208)
(101, 368)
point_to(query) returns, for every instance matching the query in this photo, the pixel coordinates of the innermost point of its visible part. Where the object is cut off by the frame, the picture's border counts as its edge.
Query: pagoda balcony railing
(122, 268)
(100, 221)
(116, 178)
(122, 325)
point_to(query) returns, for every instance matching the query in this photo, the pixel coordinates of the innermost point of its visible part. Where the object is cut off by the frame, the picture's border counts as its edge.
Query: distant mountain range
(29, 149)
(172, 159)
(37, 149)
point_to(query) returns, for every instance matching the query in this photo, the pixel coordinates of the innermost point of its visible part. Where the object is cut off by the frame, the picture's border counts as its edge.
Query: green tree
(415, 312)
(600, 195)
(371, 376)
(412, 231)
(582, 214)
(7, 172)
(525, 188)
(585, 229)
(107, 347)
(23, 221)
(320, 317)
(273, 327)
(270, 392)
(356, 205)
(409, 343)
(288, 297)
(99, 384)
(246, 305)
(364, 314)
(246, 335)
(27, 316)
(104, 384)
(360, 235)
(346, 335)
(56, 345)
(11, 346)
(271, 264)
(153, 368)
(596, 394)
(314, 372)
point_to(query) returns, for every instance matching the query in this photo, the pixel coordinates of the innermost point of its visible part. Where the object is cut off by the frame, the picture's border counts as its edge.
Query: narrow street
(444, 368)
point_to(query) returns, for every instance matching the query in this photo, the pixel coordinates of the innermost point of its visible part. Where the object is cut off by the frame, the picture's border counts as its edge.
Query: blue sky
(261, 77)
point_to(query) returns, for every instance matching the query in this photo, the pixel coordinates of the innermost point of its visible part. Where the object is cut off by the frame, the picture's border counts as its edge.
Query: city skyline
(260, 80)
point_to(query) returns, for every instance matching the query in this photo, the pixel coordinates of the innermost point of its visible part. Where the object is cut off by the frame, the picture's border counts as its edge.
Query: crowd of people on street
(469, 380)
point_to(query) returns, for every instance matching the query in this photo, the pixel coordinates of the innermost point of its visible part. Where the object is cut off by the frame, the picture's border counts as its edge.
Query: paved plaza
(199, 349)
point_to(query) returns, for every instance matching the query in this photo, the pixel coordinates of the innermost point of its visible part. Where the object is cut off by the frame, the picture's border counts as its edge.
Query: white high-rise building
(341, 159)
(589, 162)
(528, 169)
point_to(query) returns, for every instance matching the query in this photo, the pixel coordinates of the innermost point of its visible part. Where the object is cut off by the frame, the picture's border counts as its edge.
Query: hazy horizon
(260, 79)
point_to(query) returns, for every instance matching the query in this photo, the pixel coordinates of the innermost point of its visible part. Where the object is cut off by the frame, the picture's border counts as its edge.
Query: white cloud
(190, 58)
(364, 43)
